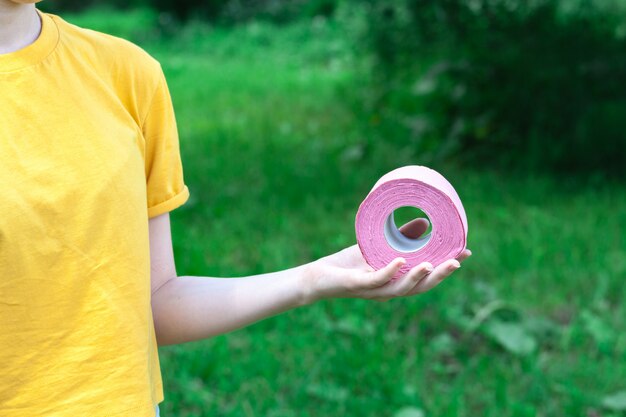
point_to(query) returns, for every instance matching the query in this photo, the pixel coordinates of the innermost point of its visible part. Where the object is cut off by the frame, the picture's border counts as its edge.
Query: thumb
(415, 228)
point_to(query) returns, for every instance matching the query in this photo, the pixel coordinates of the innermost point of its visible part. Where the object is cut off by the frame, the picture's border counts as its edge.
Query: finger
(404, 285)
(464, 255)
(434, 278)
(382, 276)
(415, 228)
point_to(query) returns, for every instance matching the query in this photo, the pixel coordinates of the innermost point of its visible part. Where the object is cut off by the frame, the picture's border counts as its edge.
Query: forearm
(192, 308)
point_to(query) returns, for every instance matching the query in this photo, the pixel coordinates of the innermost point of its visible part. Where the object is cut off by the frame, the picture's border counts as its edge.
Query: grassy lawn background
(277, 161)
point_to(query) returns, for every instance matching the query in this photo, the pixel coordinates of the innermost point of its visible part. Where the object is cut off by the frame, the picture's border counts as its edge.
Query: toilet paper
(380, 240)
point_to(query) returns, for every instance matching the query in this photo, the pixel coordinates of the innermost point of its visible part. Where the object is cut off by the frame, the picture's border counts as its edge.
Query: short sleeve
(165, 185)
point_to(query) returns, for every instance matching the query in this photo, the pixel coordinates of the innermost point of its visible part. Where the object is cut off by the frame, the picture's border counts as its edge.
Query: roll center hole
(409, 242)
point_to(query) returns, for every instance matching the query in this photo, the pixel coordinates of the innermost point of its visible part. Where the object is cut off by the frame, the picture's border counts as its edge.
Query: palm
(347, 274)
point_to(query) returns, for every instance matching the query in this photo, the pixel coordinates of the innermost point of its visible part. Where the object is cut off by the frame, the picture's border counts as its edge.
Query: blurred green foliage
(521, 84)
(223, 11)
(529, 84)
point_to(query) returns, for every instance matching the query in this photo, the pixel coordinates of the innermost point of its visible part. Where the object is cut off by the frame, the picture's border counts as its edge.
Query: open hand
(345, 274)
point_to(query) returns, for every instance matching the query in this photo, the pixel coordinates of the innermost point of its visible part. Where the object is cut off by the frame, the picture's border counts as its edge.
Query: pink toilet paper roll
(380, 240)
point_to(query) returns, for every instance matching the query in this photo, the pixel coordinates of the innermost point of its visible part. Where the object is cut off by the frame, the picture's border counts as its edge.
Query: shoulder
(106, 53)
(112, 66)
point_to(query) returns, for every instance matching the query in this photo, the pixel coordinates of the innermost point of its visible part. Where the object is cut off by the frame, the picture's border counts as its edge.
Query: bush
(59, 6)
(527, 84)
(225, 11)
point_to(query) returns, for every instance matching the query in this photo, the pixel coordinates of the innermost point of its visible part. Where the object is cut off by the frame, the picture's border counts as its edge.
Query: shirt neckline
(36, 51)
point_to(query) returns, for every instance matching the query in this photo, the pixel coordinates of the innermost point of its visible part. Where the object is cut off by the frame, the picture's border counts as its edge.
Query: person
(89, 171)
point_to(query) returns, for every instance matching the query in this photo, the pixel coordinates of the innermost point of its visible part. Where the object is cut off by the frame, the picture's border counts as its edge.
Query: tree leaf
(615, 402)
(511, 336)
(409, 412)
(601, 332)
(329, 392)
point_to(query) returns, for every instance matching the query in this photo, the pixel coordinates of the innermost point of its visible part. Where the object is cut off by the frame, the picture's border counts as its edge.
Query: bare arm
(191, 308)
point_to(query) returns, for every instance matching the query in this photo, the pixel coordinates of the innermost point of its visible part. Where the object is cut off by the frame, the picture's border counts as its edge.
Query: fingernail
(455, 264)
(429, 268)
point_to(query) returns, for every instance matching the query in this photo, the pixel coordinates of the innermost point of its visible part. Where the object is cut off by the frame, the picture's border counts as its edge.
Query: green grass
(278, 161)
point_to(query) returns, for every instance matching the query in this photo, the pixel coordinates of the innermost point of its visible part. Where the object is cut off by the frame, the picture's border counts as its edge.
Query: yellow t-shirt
(88, 152)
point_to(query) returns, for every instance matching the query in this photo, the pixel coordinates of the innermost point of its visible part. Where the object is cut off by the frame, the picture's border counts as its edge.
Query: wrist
(309, 284)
